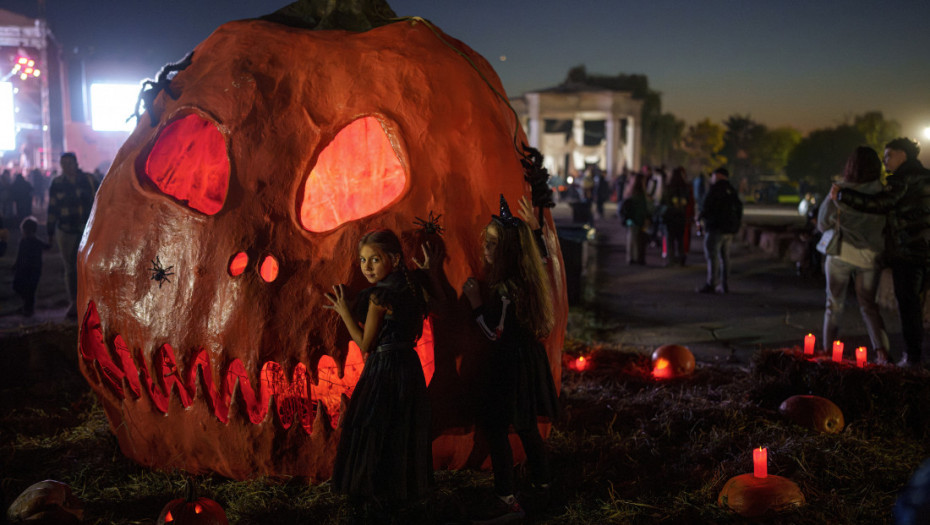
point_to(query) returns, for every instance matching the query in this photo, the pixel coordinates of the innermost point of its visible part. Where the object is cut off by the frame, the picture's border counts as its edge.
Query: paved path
(768, 306)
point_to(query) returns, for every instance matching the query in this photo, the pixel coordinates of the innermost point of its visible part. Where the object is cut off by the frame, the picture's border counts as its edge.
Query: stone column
(534, 129)
(611, 135)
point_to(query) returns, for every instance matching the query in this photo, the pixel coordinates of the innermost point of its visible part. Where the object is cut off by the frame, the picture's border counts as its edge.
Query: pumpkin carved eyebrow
(357, 174)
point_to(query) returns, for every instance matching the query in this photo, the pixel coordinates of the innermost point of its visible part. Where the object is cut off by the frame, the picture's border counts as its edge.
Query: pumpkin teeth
(294, 400)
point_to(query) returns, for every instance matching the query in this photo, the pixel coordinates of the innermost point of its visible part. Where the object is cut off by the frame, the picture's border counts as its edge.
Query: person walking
(70, 198)
(857, 258)
(678, 206)
(722, 214)
(635, 213)
(28, 267)
(905, 201)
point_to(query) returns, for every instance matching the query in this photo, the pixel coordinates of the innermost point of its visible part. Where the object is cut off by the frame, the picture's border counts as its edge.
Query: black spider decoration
(160, 274)
(151, 88)
(430, 225)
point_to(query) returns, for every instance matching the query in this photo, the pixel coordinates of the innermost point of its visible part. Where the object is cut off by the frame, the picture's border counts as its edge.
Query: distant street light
(927, 132)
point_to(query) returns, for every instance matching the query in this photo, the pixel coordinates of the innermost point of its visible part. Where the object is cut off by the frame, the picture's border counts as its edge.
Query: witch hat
(506, 218)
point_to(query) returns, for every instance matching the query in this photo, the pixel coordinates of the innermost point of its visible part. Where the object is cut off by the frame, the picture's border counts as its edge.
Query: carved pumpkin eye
(356, 175)
(189, 162)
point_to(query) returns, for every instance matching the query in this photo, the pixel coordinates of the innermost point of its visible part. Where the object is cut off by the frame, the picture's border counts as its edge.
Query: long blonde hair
(518, 266)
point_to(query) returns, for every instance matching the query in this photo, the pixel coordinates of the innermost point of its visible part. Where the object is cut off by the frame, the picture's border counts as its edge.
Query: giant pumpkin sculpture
(238, 201)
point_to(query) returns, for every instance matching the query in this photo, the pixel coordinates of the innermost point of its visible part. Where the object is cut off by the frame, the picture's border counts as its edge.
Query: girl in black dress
(515, 313)
(384, 456)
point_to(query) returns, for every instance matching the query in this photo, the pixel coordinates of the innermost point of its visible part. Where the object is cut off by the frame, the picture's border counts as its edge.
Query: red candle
(809, 340)
(861, 356)
(760, 462)
(838, 351)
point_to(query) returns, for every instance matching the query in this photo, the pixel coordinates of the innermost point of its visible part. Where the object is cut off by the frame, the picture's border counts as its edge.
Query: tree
(703, 143)
(820, 157)
(769, 153)
(741, 136)
(876, 130)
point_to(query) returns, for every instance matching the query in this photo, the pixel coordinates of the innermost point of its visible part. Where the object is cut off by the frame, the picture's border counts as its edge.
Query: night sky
(807, 64)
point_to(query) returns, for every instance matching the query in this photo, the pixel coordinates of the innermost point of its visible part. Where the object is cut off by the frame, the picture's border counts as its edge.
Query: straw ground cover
(627, 449)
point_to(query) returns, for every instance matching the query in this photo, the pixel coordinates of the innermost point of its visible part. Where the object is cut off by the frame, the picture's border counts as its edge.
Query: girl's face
(491, 239)
(375, 265)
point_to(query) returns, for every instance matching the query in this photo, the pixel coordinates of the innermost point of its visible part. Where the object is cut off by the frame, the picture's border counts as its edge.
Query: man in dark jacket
(722, 213)
(70, 199)
(906, 201)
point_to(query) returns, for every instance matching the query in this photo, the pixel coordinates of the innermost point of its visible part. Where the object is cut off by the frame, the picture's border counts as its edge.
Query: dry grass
(627, 449)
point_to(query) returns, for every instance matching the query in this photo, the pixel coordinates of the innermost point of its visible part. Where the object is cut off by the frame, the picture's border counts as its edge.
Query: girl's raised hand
(337, 300)
(432, 253)
(526, 213)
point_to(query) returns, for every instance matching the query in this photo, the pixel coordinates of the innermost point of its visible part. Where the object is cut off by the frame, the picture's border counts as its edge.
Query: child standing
(515, 312)
(28, 266)
(384, 458)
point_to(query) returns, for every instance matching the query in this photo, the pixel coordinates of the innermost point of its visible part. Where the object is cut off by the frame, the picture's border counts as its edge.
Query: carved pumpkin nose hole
(189, 162)
(238, 264)
(269, 269)
(356, 175)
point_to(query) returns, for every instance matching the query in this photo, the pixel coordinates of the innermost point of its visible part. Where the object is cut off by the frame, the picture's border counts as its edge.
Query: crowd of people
(66, 199)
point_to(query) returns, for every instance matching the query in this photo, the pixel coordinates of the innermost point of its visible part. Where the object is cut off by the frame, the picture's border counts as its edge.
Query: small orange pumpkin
(750, 496)
(813, 412)
(192, 510)
(671, 361)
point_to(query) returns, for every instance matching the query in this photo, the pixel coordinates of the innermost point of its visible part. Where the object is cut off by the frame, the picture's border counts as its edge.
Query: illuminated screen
(111, 105)
(7, 125)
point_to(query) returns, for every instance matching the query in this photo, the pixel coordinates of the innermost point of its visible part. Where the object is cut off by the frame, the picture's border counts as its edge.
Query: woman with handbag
(853, 242)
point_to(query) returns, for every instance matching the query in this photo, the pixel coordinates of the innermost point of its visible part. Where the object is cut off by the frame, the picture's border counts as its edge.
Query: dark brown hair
(863, 165)
(518, 266)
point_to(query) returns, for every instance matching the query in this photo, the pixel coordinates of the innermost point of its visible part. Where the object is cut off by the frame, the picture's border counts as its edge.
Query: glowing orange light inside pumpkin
(356, 175)
(238, 264)
(269, 269)
(169, 517)
(189, 162)
(662, 369)
(198, 509)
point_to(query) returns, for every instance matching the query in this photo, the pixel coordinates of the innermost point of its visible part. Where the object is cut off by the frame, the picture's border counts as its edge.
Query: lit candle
(861, 356)
(809, 340)
(837, 351)
(581, 363)
(760, 462)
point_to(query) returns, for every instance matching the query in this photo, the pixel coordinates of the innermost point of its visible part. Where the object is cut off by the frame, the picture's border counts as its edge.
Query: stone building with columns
(576, 124)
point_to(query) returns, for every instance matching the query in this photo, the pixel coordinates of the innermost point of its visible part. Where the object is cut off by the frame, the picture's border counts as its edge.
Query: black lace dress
(516, 384)
(385, 450)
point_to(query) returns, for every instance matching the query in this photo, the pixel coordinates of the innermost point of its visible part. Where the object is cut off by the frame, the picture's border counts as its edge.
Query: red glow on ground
(356, 175)
(189, 162)
(269, 269)
(662, 369)
(238, 264)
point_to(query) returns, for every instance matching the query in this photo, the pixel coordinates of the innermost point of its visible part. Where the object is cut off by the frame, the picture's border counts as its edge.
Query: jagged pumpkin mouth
(297, 400)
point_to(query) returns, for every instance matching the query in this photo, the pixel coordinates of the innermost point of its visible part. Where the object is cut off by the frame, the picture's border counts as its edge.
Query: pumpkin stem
(190, 489)
(351, 15)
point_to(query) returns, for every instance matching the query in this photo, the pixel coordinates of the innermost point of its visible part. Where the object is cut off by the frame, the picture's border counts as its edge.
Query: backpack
(626, 210)
(732, 216)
